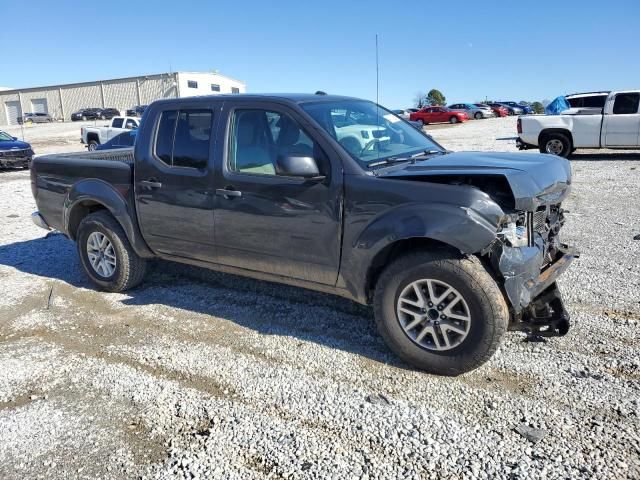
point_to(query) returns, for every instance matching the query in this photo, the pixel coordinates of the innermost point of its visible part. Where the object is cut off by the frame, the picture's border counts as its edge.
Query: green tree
(537, 107)
(435, 97)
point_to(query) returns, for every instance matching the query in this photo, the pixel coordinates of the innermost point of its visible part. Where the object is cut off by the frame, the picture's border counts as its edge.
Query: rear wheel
(106, 254)
(453, 119)
(556, 144)
(421, 122)
(477, 115)
(443, 313)
(93, 145)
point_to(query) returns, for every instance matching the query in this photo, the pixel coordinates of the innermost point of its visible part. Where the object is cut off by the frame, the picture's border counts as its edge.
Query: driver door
(267, 222)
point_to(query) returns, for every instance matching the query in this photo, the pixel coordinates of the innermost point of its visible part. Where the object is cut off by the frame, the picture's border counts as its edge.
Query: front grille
(25, 152)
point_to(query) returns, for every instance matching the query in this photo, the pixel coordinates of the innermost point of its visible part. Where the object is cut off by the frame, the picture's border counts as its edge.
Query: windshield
(369, 133)
(4, 136)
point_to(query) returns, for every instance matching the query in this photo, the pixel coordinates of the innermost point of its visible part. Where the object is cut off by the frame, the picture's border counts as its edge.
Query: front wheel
(442, 313)
(106, 254)
(477, 116)
(453, 119)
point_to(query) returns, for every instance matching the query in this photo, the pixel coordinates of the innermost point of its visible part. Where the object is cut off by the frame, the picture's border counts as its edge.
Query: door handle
(228, 194)
(150, 184)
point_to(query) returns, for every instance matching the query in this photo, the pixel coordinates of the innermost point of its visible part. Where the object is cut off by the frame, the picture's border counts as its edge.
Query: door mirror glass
(297, 166)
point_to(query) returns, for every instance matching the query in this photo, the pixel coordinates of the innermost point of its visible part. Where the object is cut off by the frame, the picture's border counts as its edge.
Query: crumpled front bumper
(532, 291)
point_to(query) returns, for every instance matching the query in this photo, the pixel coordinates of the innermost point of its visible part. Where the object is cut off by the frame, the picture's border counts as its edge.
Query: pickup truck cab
(615, 126)
(94, 136)
(450, 249)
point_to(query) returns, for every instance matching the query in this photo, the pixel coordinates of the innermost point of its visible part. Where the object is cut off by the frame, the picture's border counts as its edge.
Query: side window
(191, 144)
(117, 122)
(183, 137)
(259, 137)
(131, 124)
(164, 135)
(235, 90)
(192, 84)
(215, 88)
(626, 103)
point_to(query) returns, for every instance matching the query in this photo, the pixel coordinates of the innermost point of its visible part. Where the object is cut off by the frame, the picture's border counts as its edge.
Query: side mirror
(297, 166)
(15, 138)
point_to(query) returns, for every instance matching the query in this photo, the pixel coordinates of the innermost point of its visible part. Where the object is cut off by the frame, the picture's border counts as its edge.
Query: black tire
(453, 119)
(130, 268)
(553, 139)
(487, 307)
(93, 145)
(421, 122)
(478, 116)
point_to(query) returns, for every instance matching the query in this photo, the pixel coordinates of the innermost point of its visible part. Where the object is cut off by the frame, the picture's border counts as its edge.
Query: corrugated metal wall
(122, 94)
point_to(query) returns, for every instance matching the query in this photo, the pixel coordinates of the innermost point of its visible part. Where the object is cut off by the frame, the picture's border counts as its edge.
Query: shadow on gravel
(268, 308)
(606, 157)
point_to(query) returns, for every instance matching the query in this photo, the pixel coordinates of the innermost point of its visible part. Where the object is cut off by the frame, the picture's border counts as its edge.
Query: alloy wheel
(433, 314)
(554, 146)
(101, 254)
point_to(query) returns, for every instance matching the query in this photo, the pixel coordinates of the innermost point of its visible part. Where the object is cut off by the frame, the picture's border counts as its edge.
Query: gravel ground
(199, 375)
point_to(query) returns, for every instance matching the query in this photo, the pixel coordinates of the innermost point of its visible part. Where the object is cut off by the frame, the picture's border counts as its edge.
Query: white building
(60, 101)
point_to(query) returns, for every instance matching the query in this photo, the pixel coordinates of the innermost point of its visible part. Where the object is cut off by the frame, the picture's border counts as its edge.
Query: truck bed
(53, 178)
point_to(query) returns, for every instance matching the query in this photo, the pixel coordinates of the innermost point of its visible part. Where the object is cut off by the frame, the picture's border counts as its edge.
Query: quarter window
(183, 138)
(192, 84)
(626, 103)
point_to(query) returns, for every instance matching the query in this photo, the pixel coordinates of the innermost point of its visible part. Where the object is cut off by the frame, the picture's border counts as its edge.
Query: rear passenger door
(267, 222)
(621, 125)
(173, 181)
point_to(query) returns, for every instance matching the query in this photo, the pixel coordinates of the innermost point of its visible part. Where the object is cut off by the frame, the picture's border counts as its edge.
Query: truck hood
(535, 179)
(13, 145)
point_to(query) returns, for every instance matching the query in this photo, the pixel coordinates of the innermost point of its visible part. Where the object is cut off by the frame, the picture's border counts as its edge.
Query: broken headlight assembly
(514, 230)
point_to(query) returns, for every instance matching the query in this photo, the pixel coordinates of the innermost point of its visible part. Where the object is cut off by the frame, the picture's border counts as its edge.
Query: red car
(499, 110)
(437, 114)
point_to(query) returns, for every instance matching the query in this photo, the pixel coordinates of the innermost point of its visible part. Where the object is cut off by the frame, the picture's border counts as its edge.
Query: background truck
(450, 249)
(94, 136)
(616, 125)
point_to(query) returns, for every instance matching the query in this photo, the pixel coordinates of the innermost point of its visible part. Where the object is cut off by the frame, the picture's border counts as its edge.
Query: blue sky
(520, 50)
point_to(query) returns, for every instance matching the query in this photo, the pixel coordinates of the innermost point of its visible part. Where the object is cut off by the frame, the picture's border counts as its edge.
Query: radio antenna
(377, 73)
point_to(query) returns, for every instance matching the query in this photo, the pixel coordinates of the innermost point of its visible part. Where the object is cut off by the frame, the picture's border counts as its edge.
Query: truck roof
(291, 97)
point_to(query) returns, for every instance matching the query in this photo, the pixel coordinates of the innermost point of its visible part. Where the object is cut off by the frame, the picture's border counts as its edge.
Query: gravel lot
(199, 375)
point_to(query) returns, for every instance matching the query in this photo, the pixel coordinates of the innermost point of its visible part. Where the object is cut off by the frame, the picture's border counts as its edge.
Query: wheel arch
(549, 131)
(93, 136)
(91, 195)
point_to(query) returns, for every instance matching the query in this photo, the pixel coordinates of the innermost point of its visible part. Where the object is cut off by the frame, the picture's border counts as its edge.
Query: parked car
(615, 126)
(94, 136)
(357, 133)
(123, 140)
(35, 118)
(524, 109)
(136, 111)
(472, 110)
(86, 114)
(13, 152)
(438, 114)
(403, 113)
(444, 245)
(108, 113)
(498, 110)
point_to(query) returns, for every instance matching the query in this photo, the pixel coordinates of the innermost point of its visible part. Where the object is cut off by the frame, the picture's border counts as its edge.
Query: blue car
(123, 140)
(526, 109)
(13, 152)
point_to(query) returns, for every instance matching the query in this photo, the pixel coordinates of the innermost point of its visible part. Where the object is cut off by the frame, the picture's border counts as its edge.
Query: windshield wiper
(410, 159)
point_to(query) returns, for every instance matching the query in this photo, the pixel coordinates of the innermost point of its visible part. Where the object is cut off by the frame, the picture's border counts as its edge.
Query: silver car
(35, 118)
(472, 110)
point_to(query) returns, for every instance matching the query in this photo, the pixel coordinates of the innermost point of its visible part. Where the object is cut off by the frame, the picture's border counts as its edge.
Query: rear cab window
(117, 122)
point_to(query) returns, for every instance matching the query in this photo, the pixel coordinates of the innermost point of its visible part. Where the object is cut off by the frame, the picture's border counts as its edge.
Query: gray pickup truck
(333, 194)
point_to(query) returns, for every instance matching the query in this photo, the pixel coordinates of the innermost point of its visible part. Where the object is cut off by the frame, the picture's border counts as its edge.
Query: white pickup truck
(94, 136)
(616, 126)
